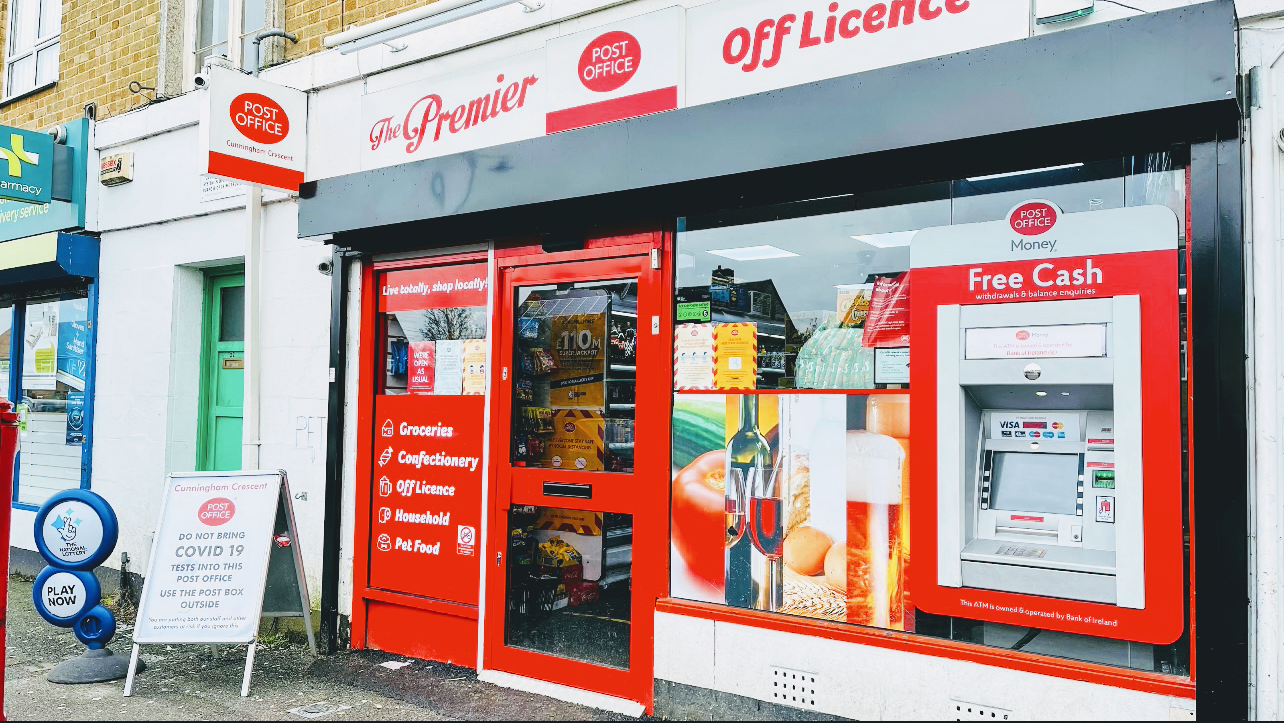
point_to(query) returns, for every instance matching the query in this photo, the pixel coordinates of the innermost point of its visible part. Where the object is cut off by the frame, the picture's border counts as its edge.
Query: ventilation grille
(792, 687)
(962, 710)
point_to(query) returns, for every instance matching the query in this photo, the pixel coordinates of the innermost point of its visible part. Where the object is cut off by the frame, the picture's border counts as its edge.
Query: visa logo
(1007, 424)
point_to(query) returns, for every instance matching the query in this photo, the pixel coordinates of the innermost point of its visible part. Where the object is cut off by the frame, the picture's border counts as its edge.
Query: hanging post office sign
(26, 169)
(254, 131)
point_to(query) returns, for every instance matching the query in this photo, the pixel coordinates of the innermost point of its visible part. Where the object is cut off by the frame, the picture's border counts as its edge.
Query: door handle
(498, 557)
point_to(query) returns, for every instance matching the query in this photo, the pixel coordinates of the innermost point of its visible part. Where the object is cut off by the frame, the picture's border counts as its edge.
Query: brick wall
(105, 44)
(315, 19)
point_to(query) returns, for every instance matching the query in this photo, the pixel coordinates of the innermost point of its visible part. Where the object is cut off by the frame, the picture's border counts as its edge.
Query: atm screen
(1026, 482)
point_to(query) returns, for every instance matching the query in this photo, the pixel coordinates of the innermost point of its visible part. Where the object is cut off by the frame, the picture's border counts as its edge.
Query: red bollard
(8, 453)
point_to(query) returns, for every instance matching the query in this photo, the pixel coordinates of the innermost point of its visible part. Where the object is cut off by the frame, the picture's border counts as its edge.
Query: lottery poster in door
(795, 504)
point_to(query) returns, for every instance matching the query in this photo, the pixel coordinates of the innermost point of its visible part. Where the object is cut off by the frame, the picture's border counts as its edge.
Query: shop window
(31, 60)
(575, 385)
(55, 369)
(813, 490)
(434, 350)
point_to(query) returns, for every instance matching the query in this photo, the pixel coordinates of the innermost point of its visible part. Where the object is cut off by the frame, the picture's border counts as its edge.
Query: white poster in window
(450, 368)
(891, 365)
(40, 347)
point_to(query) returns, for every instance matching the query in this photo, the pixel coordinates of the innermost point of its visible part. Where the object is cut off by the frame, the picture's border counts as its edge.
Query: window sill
(27, 94)
(1139, 680)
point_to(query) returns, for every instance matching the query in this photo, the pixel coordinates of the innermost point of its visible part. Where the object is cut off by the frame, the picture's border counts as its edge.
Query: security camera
(201, 81)
(325, 268)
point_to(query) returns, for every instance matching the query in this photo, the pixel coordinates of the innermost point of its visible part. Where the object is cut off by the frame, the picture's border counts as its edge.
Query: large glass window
(31, 60)
(813, 490)
(55, 368)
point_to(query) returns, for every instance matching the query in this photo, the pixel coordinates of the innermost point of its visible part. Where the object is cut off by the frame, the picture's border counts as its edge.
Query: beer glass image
(875, 573)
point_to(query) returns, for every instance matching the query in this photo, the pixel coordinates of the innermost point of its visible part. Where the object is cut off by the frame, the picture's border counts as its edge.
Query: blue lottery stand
(75, 532)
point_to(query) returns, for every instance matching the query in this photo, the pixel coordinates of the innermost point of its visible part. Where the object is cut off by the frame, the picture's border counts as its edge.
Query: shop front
(862, 384)
(48, 309)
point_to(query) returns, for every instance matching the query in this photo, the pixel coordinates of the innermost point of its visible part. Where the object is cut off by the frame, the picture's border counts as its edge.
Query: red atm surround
(1107, 239)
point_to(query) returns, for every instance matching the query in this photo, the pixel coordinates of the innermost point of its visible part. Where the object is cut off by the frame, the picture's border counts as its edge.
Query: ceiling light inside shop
(753, 253)
(887, 240)
(1040, 394)
(1025, 173)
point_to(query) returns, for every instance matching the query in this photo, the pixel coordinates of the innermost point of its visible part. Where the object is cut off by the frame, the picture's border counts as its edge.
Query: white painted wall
(1262, 46)
(869, 683)
(158, 238)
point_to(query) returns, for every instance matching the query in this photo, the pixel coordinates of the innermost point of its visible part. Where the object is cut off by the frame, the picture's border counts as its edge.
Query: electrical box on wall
(1047, 357)
(116, 168)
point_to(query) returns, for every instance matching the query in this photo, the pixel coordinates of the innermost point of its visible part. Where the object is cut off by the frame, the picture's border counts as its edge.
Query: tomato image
(698, 506)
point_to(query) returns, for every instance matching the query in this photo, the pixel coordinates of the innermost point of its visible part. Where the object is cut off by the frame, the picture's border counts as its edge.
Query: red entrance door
(580, 457)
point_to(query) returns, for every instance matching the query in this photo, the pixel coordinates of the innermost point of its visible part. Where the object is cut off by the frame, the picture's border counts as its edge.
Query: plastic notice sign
(225, 554)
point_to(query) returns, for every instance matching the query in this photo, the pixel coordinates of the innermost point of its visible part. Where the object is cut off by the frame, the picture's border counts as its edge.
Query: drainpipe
(250, 433)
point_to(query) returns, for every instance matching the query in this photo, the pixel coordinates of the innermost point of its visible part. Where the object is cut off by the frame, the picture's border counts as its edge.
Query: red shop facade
(693, 403)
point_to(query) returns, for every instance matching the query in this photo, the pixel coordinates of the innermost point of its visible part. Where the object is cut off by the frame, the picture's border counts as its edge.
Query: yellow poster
(736, 348)
(577, 442)
(579, 347)
(475, 366)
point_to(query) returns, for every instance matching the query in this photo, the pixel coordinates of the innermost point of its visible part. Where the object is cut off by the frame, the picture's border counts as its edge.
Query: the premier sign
(254, 131)
(625, 69)
(668, 59)
(26, 170)
(484, 106)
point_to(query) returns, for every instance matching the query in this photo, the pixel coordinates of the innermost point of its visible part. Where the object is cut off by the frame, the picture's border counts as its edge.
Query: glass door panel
(573, 496)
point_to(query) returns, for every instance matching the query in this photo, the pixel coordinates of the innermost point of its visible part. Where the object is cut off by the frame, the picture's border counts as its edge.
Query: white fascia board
(151, 120)
(330, 67)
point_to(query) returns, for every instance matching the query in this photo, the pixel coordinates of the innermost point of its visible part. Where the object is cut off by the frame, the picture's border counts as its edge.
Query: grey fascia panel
(1154, 61)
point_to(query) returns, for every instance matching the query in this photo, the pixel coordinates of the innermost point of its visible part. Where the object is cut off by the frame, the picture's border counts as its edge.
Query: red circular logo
(1034, 218)
(1023, 335)
(610, 61)
(216, 511)
(259, 118)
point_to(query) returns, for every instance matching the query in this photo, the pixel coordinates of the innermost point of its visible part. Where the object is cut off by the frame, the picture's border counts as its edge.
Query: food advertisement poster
(425, 503)
(579, 349)
(840, 468)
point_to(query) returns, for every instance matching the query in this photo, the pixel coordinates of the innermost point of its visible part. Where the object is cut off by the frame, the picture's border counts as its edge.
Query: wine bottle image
(748, 459)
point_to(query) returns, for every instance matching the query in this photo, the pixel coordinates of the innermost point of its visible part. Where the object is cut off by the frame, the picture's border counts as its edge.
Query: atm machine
(1042, 494)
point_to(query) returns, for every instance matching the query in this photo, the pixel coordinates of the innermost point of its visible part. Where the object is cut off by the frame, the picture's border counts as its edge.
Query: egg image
(805, 550)
(836, 567)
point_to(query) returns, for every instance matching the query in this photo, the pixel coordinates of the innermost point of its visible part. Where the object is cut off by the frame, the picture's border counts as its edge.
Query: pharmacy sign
(26, 165)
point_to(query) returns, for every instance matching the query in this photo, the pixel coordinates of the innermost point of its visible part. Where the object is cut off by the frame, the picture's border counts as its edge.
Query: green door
(222, 374)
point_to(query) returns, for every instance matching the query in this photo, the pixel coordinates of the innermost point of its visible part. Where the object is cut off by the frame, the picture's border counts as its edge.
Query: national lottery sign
(208, 569)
